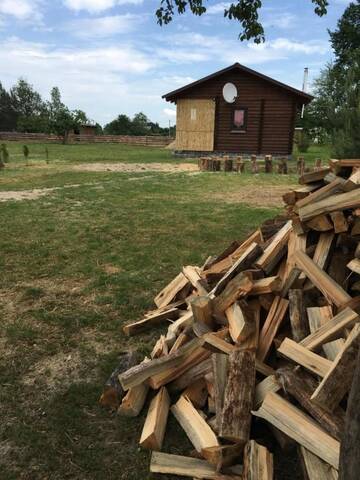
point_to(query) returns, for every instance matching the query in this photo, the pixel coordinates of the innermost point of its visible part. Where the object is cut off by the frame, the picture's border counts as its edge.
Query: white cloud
(217, 8)
(102, 27)
(309, 47)
(21, 9)
(280, 20)
(169, 112)
(96, 6)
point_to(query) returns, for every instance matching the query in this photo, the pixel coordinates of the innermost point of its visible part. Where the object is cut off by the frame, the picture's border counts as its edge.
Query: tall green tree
(8, 114)
(246, 12)
(122, 125)
(345, 40)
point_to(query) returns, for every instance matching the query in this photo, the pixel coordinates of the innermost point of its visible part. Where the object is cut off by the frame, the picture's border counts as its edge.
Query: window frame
(242, 129)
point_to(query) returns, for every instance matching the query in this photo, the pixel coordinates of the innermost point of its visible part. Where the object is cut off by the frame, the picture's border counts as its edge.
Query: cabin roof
(171, 96)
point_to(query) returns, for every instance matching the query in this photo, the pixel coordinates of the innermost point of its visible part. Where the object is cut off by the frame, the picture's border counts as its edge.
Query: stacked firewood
(266, 332)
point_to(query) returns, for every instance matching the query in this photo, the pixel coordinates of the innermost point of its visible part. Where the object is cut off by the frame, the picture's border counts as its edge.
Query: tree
(246, 12)
(8, 114)
(122, 125)
(345, 40)
(140, 124)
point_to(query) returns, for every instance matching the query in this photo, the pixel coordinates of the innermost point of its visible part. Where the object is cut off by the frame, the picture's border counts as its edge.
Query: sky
(110, 56)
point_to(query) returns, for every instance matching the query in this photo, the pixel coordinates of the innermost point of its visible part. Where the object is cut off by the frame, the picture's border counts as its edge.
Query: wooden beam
(331, 329)
(321, 193)
(294, 423)
(272, 323)
(155, 424)
(258, 462)
(239, 395)
(337, 382)
(330, 289)
(304, 357)
(196, 428)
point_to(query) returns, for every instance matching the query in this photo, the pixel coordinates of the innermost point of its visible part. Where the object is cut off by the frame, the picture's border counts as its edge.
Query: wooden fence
(143, 141)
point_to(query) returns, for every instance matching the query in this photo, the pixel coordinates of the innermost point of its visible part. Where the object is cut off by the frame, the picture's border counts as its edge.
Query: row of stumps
(240, 164)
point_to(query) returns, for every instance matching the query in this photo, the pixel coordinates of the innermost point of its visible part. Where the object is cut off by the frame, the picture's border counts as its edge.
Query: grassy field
(76, 264)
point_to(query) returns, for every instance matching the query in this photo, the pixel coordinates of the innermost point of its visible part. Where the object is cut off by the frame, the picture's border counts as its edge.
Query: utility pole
(305, 85)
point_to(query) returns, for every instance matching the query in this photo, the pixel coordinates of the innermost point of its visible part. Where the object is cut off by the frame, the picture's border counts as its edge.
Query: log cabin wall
(271, 112)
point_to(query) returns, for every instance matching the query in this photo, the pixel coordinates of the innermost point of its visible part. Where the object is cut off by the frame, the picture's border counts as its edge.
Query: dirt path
(136, 167)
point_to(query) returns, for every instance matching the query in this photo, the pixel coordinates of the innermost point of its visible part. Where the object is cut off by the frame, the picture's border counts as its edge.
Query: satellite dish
(229, 92)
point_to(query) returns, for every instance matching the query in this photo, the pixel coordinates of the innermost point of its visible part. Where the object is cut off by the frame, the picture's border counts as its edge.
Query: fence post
(318, 164)
(240, 165)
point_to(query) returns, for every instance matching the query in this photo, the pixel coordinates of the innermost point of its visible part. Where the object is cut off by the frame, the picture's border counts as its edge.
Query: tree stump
(300, 166)
(240, 165)
(268, 164)
(254, 165)
(228, 165)
(282, 166)
(317, 164)
(217, 165)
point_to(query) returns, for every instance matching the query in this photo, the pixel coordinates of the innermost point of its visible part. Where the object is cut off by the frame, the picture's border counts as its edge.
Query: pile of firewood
(265, 332)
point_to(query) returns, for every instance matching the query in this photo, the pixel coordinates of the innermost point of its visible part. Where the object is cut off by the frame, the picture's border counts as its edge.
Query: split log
(272, 323)
(269, 384)
(142, 372)
(220, 371)
(304, 357)
(113, 391)
(298, 317)
(320, 223)
(301, 386)
(258, 462)
(352, 182)
(202, 310)
(330, 289)
(319, 316)
(155, 424)
(218, 343)
(331, 329)
(315, 468)
(197, 393)
(168, 294)
(340, 223)
(194, 277)
(238, 287)
(239, 395)
(194, 374)
(241, 323)
(349, 454)
(342, 201)
(294, 423)
(134, 400)
(150, 320)
(196, 428)
(266, 285)
(354, 265)
(337, 381)
(321, 193)
(314, 176)
(275, 250)
(223, 455)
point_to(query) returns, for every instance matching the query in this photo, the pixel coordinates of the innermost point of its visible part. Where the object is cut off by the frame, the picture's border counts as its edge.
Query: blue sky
(110, 56)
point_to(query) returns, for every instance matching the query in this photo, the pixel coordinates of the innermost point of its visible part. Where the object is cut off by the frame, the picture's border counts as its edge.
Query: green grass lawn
(75, 266)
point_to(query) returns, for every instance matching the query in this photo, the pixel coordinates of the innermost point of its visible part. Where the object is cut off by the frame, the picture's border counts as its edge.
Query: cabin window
(193, 114)
(239, 120)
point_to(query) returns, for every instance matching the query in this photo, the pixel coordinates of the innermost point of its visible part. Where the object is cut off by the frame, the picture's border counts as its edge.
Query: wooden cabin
(260, 120)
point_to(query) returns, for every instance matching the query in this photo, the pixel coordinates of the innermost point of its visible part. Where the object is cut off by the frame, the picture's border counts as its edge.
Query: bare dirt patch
(136, 167)
(25, 194)
(257, 196)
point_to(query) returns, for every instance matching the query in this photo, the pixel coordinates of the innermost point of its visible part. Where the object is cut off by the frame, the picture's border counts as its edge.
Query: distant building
(87, 129)
(258, 119)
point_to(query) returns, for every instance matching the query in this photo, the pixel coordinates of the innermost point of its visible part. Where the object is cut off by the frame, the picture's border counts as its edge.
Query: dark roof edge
(238, 66)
